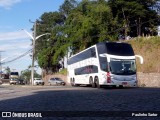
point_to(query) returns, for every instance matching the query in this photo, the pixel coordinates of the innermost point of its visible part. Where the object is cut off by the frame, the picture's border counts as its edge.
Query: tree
(26, 75)
(46, 46)
(134, 16)
(67, 7)
(8, 70)
(89, 23)
(78, 25)
(49, 50)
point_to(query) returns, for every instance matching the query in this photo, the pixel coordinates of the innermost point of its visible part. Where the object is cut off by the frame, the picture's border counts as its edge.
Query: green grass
(63, 71)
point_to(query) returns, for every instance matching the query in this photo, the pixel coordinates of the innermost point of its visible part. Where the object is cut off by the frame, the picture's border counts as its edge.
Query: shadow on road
(60, 100)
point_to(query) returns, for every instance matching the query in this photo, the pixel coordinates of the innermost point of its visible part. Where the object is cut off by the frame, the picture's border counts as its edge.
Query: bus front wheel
(74, 84)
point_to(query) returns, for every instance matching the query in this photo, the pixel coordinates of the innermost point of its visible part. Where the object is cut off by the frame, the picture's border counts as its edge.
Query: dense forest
(78, 25)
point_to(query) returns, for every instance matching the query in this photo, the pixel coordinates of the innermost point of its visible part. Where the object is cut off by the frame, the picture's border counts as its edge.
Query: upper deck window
(90, 53)
(113, 48)
(121, 49)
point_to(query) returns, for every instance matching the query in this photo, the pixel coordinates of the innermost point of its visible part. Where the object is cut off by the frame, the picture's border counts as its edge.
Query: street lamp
(34, 38)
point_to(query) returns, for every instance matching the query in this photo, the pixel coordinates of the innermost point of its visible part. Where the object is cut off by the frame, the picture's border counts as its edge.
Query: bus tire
(71, 82)
(120, 86)
(97, 82)
(91, 82)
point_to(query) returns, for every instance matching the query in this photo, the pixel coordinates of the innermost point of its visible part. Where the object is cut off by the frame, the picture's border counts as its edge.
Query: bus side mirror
(140, 57)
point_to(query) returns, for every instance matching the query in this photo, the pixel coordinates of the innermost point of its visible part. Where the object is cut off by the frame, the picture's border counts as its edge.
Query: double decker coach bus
(106, 63)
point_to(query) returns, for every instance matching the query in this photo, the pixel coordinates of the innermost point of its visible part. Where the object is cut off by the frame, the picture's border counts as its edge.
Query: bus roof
(111, 46)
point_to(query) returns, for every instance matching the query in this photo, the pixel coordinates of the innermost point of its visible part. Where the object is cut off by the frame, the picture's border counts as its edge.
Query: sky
(15, 16)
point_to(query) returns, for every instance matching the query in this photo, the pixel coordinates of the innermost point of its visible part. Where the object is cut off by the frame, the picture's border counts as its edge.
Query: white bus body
(106, 63)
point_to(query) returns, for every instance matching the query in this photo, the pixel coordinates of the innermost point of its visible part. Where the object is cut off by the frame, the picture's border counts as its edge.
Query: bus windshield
(122, 67)
(14, 73)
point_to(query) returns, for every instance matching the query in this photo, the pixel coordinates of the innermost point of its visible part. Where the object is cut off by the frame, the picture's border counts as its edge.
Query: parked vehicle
(21, 82)
(38, 81)
(4, 76)
(56, 81)
(13, 81)
(0, 82)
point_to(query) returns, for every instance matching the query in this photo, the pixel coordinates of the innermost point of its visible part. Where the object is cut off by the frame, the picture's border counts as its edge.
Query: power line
(22, 55)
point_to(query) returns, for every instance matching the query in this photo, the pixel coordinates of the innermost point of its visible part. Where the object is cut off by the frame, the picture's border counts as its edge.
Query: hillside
(149, 49)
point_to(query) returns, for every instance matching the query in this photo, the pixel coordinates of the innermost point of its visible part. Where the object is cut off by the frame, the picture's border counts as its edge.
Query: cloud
(13, 35)
(7, 4)
(14, 43)
(16, 46)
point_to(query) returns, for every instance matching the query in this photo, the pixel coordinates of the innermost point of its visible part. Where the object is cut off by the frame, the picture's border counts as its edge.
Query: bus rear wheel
(120, 86)
(97, 82)
(91, 82)
(74, 84)
(71, 81)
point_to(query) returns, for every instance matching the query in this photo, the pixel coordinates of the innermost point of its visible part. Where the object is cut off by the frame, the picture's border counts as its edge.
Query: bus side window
(90, 69)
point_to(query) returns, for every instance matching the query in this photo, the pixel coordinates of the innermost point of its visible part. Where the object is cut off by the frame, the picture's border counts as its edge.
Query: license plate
(124, 83)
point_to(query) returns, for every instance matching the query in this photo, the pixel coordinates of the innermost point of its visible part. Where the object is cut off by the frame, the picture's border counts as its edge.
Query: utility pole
(33, 53)
(1, 65)
(34, 37)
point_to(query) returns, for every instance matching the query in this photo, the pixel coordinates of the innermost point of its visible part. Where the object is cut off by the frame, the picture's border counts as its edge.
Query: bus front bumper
(132, 83)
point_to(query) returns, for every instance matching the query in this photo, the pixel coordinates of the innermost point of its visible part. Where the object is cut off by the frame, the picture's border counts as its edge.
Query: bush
(63, 71)
(149, 49)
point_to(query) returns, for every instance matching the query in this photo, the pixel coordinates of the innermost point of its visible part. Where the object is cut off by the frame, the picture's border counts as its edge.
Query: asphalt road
(58, 102)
